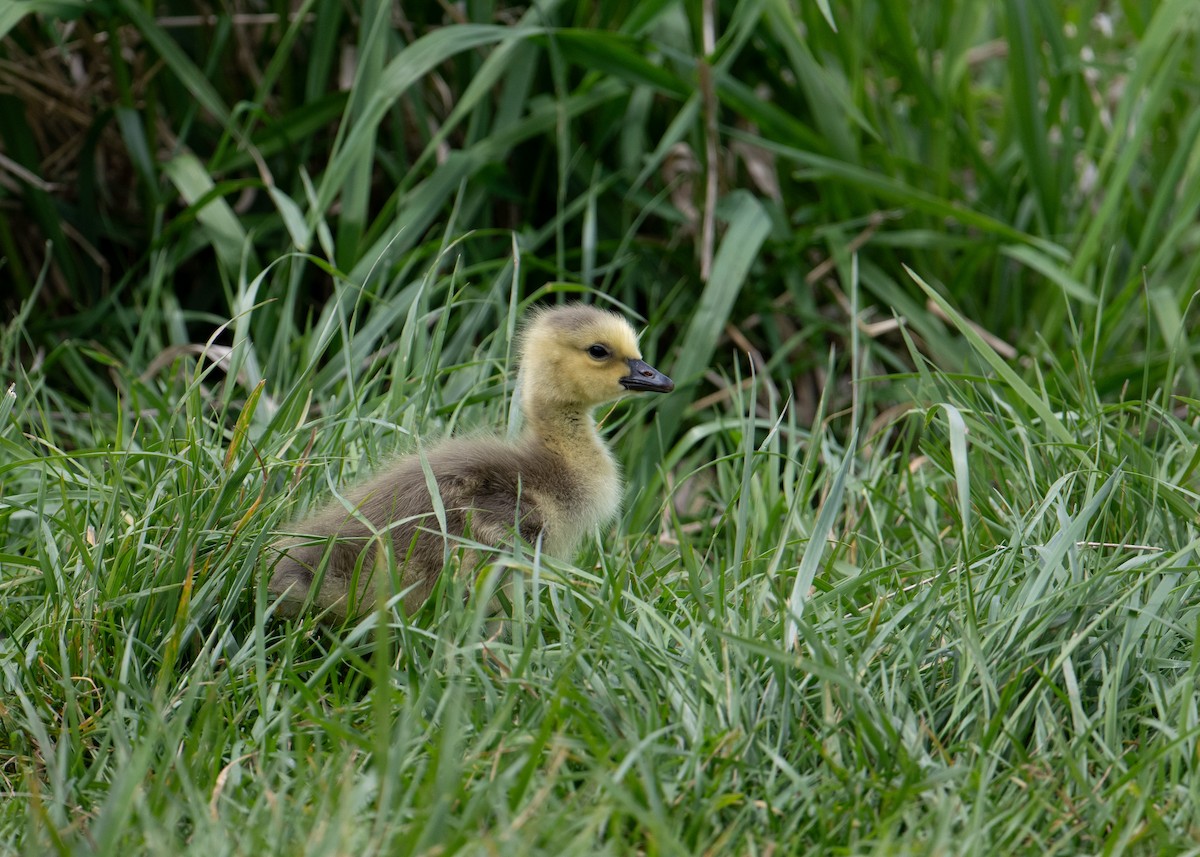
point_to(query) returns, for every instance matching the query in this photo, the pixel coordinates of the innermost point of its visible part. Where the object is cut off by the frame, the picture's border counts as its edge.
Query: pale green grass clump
(971, 630)
(907, 563)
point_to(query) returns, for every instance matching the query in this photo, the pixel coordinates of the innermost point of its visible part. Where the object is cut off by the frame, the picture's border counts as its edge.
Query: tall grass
(907, 563)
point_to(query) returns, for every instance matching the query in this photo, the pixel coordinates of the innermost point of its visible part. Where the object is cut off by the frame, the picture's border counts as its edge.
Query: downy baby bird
(557, 481)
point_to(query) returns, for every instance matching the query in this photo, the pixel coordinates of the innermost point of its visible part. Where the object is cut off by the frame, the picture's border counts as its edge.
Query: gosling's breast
(577, 496)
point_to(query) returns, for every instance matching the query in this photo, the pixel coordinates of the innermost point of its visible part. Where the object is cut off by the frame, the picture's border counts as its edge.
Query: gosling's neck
(564, 428)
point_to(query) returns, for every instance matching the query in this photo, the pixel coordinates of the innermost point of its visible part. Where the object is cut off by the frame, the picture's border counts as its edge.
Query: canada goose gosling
(558, 481)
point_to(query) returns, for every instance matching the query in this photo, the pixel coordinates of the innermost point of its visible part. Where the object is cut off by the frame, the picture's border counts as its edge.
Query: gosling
(557, 482)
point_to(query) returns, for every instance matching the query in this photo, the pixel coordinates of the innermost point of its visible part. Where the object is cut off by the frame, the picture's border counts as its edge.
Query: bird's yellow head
(580, 356)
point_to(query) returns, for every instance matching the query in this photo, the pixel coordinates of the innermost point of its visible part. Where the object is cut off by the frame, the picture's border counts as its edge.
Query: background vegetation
(908, 562)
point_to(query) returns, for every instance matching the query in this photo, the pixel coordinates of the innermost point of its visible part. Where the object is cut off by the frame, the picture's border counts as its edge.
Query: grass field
(907, 563)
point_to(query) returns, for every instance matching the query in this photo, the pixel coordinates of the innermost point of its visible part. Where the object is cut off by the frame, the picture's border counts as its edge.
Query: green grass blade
(831, 510)
(1038, 404)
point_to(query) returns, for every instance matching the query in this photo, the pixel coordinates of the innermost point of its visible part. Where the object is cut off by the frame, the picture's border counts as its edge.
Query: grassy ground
(907, 564)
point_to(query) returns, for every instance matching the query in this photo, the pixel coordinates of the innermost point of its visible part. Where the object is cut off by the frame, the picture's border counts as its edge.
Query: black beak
(643, 376)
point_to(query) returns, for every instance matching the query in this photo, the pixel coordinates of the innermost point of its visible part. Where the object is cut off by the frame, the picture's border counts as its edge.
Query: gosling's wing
(339, 543)
(484, 482)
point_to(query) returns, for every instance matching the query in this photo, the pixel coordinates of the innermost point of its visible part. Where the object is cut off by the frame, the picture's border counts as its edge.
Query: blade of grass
(1032, 400)
(831, 509)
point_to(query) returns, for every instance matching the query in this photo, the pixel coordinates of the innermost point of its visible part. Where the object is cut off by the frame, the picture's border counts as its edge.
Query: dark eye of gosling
(598, 352)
